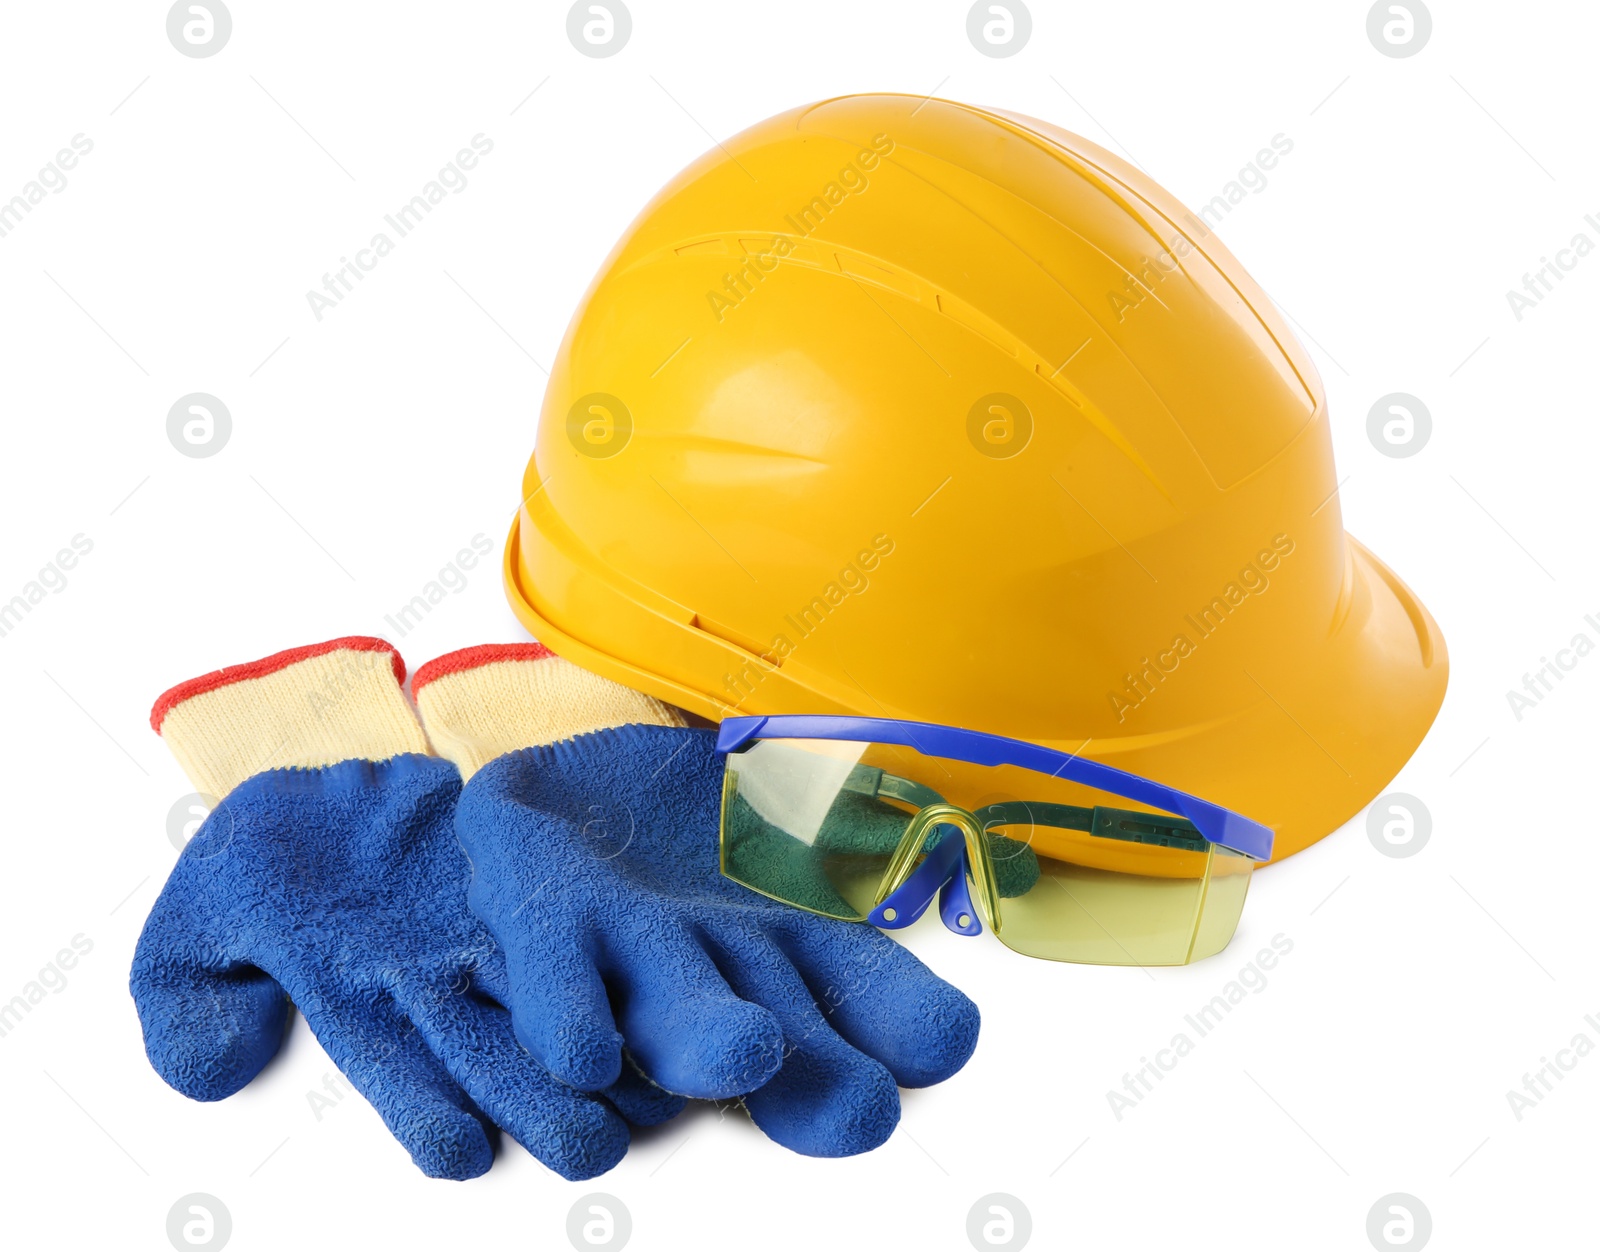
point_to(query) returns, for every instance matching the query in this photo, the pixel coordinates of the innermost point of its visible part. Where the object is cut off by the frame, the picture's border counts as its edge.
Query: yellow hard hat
(900, 407)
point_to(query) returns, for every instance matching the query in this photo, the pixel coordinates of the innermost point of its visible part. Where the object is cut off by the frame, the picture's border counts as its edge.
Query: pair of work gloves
(528, 931)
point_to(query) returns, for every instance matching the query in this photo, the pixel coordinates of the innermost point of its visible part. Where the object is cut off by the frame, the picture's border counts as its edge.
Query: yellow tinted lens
(793, 829)
(1184, 907)
(1077, 874)
(1225, 892)
(1120, 895)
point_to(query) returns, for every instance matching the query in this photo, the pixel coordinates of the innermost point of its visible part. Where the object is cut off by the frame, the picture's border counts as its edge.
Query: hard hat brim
(1328, 731)
(1327, 735)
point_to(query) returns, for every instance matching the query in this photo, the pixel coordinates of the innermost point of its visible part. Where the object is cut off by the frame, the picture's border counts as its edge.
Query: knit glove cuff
(480, 703)
(303, 708)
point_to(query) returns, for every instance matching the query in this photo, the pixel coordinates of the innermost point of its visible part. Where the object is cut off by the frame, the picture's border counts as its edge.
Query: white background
(369, 447)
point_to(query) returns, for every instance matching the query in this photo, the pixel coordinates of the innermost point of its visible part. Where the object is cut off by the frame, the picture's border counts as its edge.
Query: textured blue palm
(344, 891)
(596, 867)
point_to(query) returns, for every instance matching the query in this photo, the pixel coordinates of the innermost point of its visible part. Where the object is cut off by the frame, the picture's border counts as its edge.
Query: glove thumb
(207, 1032)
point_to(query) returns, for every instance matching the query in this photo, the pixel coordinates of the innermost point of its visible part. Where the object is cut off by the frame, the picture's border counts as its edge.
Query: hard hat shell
(901, 407)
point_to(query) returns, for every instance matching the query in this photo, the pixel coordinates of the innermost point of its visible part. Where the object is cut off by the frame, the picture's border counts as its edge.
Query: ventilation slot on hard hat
(744, 643)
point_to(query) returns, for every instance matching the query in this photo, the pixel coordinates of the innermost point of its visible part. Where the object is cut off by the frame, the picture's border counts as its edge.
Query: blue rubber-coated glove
(338, 885)
(595, 865)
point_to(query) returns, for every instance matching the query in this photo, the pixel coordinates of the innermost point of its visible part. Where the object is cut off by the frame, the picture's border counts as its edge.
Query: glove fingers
(207, 1034)
(641, 1101)
(885, 1001)
(827, 1099)
(576, 1135)
(635, 1096)
(561, 1014)
(685, 1026)
(385, 1058)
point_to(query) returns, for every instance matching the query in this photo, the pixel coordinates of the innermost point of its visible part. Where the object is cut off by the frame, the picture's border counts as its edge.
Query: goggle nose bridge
(904, 893)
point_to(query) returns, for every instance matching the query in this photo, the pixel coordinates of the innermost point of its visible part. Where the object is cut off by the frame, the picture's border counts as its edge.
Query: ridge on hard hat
(900, 407)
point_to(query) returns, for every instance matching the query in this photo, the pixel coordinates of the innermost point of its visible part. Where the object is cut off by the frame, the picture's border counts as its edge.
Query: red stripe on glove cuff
(170, 700)
(473, 658)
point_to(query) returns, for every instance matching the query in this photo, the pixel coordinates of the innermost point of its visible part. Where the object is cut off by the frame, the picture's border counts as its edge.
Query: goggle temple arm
(943, 872)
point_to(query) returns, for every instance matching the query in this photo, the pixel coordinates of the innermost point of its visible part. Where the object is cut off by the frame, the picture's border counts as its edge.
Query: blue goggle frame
(1220, 826)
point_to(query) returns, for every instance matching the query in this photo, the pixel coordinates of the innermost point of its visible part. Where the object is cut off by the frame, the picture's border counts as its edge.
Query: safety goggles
(867, 819)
